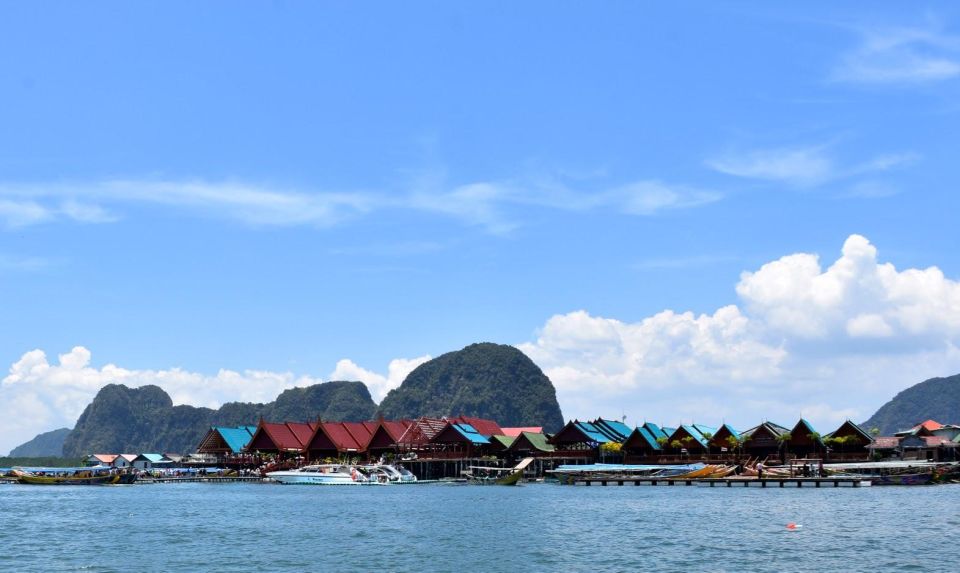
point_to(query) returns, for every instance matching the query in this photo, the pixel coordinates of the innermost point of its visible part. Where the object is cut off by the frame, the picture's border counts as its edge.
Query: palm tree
(782, 441)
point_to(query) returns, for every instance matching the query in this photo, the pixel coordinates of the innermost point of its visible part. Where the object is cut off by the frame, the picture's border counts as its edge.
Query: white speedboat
(324, 474)
(385, 473)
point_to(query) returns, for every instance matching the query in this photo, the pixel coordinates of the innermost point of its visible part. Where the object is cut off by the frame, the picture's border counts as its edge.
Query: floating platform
(774, 482)
(203, 479)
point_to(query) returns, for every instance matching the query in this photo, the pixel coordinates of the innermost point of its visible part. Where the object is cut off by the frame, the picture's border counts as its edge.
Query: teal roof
(592, 432)
(655, 430)
(697, 435)
(612, 429)
(237, 438)
(733, 432)
(648, 437)
(704, 430)
(668, 431)
(153, 458)
(470, 433)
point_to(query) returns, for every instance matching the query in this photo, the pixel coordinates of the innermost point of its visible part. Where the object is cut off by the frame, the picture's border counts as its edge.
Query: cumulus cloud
(38, 395)
(829, 344)
(378, 384)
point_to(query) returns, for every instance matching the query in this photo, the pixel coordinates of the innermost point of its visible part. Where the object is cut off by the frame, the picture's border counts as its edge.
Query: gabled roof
(482, 425)
(774, 429)
(527, 441)
(387, 433)
(641, 436)
(851, 428)
(691, 431)
(422, 431)
(128, 457)
(152, 458)
(105, 458)
(612, 429)
(668, 431)
(704, 430)
(289, 436)
(579, 432)
(655, 430)
(728, 429)
(471, 434)
(502, 441)
(514, 432)
(802, 430)
(236, 438)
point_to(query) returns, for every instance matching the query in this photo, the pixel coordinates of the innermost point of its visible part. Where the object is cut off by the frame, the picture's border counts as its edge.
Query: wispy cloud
(21, 263)
(495, 206)
(802, 166)
(900, 56)
(797, 166)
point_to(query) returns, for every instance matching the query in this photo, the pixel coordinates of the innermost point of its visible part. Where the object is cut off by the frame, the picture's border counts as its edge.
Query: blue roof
(237, 438)
(592, 432)
(615, 431)
(470, 433)
(695, 433)
(154, 458)
(655, 430)
(648, 437)
(733, 432)
(668, 431)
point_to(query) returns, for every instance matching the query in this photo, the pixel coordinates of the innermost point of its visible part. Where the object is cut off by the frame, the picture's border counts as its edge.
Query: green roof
(505, 440)
(538, 441)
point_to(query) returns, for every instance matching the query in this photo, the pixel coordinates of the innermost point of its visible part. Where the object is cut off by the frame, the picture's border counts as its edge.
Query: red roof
(287, 436)
(515, 432)
(930, 425)
(422, 430)
(485, 427)
(387, 433)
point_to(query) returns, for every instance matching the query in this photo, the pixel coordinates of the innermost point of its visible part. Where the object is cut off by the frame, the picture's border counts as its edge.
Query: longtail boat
(98, 475)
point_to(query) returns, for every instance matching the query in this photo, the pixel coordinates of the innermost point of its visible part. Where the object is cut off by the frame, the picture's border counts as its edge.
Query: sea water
(438, 527)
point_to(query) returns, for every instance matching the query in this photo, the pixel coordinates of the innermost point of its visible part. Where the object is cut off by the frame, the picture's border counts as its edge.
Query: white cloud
(829, 344)
(900, 56)
(378, 384)
(37, 395)
(491, 205)
(18, 213)
(802, 166)
(826, 343)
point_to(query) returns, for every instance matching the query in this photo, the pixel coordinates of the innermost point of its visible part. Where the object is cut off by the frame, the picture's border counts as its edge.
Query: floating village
(472, 450)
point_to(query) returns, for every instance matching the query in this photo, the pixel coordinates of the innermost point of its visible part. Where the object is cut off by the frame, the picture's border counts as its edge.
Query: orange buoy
(793, 526)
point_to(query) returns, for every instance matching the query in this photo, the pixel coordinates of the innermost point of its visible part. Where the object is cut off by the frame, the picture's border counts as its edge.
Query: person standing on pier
(759, 470)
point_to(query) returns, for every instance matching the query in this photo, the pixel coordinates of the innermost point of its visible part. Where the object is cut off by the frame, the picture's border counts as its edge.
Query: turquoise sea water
(535, 527)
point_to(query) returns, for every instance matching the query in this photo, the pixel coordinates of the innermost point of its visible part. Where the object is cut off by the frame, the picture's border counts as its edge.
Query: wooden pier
(203, 479)
(776, 482)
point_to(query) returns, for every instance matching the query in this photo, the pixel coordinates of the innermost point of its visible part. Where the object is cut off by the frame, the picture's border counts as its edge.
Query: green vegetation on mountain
(40, 462)
(485, 380)
(935, 399)
(135, 420)
(47, 444)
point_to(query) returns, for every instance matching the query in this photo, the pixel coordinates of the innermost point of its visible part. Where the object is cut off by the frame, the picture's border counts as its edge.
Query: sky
(733, 212)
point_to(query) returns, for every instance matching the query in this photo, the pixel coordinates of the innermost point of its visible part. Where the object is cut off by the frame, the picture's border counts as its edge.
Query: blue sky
(280, 187)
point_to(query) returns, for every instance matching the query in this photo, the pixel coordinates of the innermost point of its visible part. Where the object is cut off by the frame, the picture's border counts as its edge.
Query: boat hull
(45, 480)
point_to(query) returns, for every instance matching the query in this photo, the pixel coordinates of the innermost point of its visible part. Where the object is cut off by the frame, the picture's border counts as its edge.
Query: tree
(662, 442)
(783, 440)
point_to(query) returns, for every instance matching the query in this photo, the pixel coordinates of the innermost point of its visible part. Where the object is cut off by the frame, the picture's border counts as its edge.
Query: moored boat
(97, 475)
(324, 474)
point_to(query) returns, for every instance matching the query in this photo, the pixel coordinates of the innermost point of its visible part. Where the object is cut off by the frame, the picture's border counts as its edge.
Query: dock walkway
(774, 482)
(204, 479)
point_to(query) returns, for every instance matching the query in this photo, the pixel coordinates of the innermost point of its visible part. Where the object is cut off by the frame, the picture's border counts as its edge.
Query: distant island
(483, 380)
(936, 398)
